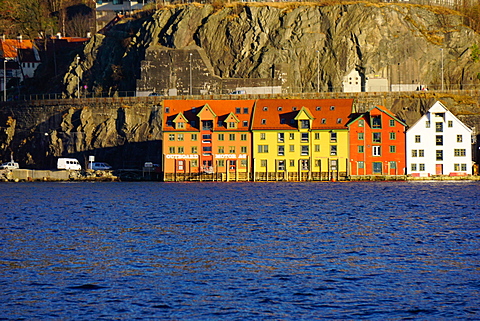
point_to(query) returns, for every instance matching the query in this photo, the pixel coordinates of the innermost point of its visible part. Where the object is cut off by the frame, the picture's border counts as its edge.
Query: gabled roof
(304, 113)
(221, 108)
(231, 117)
(438, 107)
(9, 47)
(375, 110)
(280, 114)
(179, 118)
(206, 113)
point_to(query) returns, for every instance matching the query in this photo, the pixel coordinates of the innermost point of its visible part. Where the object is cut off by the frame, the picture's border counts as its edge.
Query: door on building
(439, 169)
(207, 167)
(377, 168)
(181, 165)
(233, 165)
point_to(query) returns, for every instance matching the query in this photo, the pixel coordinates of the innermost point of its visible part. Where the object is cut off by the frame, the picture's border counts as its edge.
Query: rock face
(313, 45)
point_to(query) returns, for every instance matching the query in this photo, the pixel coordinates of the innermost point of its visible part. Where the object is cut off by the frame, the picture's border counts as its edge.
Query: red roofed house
(377, 143)
(300, 139)
(206, 139)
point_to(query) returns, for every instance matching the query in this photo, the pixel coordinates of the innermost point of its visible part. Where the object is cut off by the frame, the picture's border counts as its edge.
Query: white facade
(352, 83)
(439, 144)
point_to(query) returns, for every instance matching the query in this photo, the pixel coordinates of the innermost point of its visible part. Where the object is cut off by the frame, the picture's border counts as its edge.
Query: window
(263, 148)
(263, 163)
(333, 137)
(245, 110)
(460, 152)
(332, 107)
(243, 163)
(206, 137)
(376, 122)
(317, 136)
(207, 124)
(304, 137)
(417, 138)
(376, 151)
(291, 148)
(450, 123)
(221, 150)
(194, 149)
(393, 149)
(317, 148)
(439, 155)
(243, 149)
(232, 149)
(339, 120)
(181, 150)
(283, 121)
(265, 108)
(414, 167)
(421, 167)
(459, 138)
(193, 137)
(231, 137)
(281, 150)
(237, 110)
(193, 123)
(414, 153)
(194, 163)
(294, 108)
(361, 123)
(292, 136)
(304, 124)
(334, 164)
(392, 122)
(361, 164)
(360, 136)
(279, 108)
(221, 137)
(318, 108)
(360, 148)
(427, 124)
(169, 123)
(318, 163)
(324, 121)
(377, 138)
(180, 125)
(421, 153)
(393, 165)
(304, 150)
(281, 165)
(393, 136)
(167, 110)
(291, 163)
(171, 150)
(171, 137)
(333, 150)
(243, 137)
(439, 127)
(262, 136)
(232, 124)
(264, 121)
(245, 123)
(464, 167)
(281, 137)
(220, 123)
(180, 137)
(439, 140)
(221, 163)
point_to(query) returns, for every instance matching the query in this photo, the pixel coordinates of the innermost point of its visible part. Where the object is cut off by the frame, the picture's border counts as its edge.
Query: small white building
(439, 144)
(352, 83)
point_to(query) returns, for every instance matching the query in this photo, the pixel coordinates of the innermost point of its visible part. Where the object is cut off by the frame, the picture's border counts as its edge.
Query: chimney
(20, 38)
(59, 35)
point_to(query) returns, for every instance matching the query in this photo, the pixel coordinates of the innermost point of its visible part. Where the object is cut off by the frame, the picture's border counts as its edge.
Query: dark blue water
(240, 251)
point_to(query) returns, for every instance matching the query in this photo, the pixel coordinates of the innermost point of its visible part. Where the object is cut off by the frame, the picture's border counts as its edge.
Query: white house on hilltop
(439, 144)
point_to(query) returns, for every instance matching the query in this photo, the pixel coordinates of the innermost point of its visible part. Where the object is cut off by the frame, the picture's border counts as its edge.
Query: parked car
(68, 163)
(9, 165)
(98, 166)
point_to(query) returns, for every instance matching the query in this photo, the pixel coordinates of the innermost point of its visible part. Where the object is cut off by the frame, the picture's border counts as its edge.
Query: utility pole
(190, 74)
(78, 76)
(318, 71)
(442, 70)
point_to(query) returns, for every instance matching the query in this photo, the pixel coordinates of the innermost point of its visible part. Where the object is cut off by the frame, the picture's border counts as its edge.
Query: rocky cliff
(406, 44)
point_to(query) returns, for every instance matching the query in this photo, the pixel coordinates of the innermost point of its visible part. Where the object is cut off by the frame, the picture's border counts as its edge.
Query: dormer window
(232, 124)
(279, 108)
(193, 123)
(180, 125)
(207, 124)
(245, 110)
(194, 109)
(324, 120)
(237, 110)
(167, 110)
(339, 120)
(318, 108)
(332, 107)
(220, 123)
(294, 108)
(265, 108)
(282, 121)
(169, 123)
(264, 121)
(304, 124)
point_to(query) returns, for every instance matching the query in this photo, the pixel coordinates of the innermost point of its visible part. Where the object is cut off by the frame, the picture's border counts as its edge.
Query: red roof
(9, 47)
(277, 114)
(221, 108)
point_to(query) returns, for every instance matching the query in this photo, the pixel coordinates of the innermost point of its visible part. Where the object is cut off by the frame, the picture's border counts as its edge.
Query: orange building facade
(377, 143)
(206, 140)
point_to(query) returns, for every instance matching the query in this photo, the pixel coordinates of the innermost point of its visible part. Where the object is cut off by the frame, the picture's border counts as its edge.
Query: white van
(97, 166)
(68, 163)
